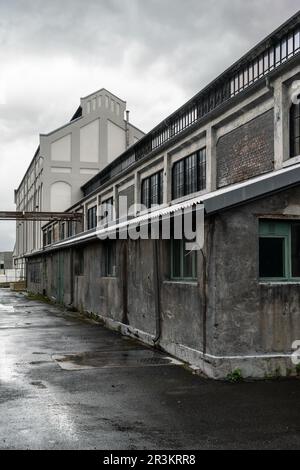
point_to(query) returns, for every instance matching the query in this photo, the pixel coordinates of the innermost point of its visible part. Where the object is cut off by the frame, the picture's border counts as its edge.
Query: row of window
(279, 255)
(188, 176)
(59, 232)
(109, 264)
(183, 262)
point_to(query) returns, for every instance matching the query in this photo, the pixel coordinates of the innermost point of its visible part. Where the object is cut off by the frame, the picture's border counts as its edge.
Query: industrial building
(233, 151)
(66, 159)
(6, 261)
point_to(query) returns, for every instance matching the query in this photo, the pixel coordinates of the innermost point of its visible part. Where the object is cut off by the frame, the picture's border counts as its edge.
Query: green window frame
(289, 234)
(183, 262)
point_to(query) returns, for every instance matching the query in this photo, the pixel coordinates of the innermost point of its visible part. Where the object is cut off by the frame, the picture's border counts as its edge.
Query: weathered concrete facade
(244, 316)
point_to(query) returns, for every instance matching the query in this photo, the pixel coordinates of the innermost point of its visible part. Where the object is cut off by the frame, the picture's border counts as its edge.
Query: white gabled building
(67, 158)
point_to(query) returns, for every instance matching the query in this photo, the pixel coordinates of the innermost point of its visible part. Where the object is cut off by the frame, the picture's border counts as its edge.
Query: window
(62, 231)
(70, 229)
(183, 261)
(107, 210)
(152, 190)
(110, 259)
(189, 174)
(279, 250)
(35, 273)
(92, 218)
(295, 129)
(49, 237)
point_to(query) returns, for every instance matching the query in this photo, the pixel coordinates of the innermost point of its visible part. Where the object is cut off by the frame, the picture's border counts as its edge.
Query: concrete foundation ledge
(258, 366)
(127, 330)
(266, 366)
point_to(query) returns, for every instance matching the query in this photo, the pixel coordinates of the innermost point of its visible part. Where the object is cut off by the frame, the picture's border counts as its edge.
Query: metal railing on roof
(258, 63)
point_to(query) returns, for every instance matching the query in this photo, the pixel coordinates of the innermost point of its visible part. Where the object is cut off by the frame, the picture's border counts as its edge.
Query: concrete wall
(247, 316)
(180, 304)
(249, 325)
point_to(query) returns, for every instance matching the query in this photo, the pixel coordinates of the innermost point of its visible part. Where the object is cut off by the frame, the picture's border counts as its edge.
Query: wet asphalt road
(68, 383)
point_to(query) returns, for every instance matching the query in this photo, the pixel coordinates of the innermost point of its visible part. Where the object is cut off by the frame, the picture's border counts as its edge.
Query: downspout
(157, 292)
(71, 277)
(124, 245)
(127, 130)
(204, 302)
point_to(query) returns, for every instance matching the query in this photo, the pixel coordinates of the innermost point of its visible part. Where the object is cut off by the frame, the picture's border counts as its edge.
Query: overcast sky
(155, 54)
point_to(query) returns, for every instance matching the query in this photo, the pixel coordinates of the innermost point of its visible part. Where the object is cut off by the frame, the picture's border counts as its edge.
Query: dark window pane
(161, 187)
(146, 193)
(271, 257)
(110, 259)
(107, 210)
(295, 235)
(191, 174)
(176, 255)
(189, 264)
(154, 189)
(202, 170)
(92, 217)
(178, 180)
(294, 129)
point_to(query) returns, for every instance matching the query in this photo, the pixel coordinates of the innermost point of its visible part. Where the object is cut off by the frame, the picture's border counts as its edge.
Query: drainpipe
(71, 278)
(204, 302)
(127, 129)
(125, 281)
(157, 292)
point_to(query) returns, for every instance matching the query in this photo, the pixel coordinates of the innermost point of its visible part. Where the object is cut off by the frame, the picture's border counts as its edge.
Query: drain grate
(155, 360)
(109, 359)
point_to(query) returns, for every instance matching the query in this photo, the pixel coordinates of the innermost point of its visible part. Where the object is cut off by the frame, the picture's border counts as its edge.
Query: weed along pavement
(69, 383)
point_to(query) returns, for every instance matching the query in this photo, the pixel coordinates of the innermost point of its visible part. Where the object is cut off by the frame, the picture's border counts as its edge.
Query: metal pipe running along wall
(43, 216)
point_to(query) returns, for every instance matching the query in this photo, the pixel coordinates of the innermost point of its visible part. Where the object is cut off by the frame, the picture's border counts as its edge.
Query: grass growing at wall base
(235, 376)
(39, 298)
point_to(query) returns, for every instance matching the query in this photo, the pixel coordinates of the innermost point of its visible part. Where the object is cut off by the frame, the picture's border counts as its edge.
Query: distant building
(6, 261)
(67, 158)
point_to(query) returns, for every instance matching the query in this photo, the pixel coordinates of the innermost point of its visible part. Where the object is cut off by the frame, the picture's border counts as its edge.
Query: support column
(281, 124)
(167, 193)
(211, 159)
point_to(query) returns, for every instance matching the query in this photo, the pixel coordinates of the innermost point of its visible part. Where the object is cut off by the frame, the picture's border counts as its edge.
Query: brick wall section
(247, 151)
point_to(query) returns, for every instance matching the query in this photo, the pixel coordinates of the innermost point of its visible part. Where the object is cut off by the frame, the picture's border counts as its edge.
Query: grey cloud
(154, 53)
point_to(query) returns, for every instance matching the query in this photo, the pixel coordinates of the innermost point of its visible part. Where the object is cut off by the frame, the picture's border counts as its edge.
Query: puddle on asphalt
(103, 360)
(6, 308)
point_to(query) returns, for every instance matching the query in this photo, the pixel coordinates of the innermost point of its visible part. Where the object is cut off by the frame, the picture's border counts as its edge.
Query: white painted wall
(89, 142)
(61, 149)
(60, 196)
(115, 140)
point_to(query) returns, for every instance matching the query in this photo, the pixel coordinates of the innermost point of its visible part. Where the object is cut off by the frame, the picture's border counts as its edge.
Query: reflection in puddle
(6, 308)
(7, 365)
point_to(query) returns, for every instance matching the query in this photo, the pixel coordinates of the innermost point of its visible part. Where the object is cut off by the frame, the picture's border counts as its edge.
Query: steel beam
(41, 216)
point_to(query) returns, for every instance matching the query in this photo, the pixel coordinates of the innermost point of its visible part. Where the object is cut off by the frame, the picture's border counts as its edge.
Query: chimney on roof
(127, 129)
